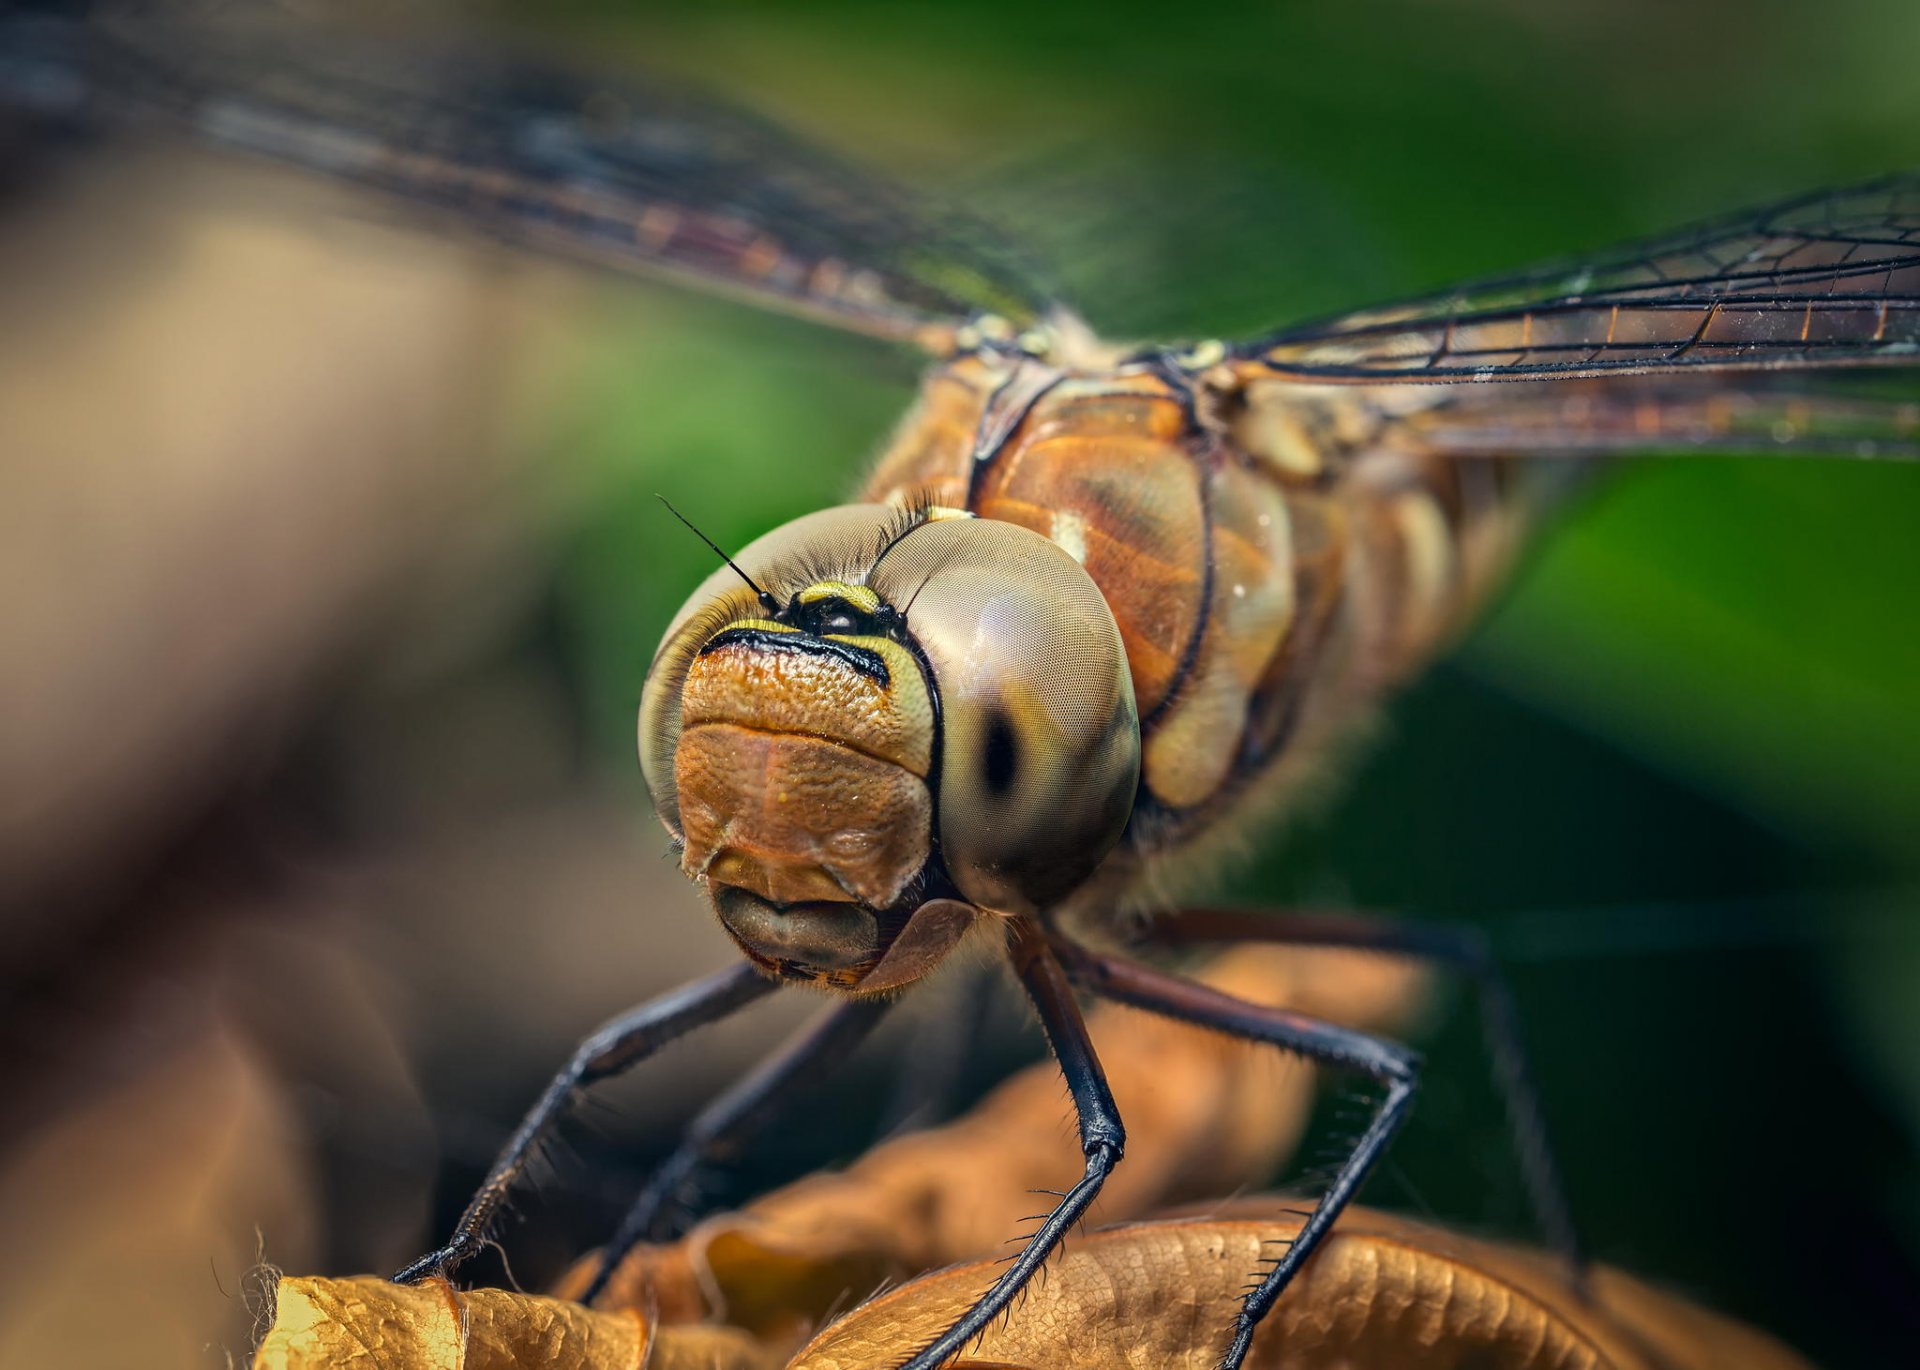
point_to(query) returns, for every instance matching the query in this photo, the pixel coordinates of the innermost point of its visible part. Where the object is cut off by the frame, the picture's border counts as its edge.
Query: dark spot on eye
(1000, 758)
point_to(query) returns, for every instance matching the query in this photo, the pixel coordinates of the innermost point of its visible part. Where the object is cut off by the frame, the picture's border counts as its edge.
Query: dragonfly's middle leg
(727, 1123)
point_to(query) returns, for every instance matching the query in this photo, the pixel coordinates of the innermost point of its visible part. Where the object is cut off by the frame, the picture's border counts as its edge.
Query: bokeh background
(330, 567)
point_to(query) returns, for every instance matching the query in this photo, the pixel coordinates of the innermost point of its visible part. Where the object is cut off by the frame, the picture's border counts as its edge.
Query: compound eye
(1040, 749)
(843, 536)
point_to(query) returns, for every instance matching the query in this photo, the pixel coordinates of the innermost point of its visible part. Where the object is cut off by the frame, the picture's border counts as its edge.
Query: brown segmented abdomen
(1269, 585)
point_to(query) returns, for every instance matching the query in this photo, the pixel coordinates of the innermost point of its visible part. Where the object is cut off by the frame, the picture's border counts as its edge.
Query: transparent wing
(1831, 279)
(1588, 420)
(622, 171)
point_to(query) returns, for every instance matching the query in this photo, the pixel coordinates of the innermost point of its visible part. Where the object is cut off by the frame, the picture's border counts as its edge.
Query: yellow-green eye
(1040, 743)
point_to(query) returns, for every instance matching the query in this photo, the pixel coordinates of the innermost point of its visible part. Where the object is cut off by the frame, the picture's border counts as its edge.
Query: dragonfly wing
(623, 171)
(1831, 279)
(1589, 420)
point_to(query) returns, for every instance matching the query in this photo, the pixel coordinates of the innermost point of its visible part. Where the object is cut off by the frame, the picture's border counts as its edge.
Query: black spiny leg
(1391, 1064)
(735, 1116)
(1101, 1136)
(1463, 949)
(622, 1043)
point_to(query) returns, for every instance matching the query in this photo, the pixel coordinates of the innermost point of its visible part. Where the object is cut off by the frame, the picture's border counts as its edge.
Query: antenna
(767, 601)
(917, 514)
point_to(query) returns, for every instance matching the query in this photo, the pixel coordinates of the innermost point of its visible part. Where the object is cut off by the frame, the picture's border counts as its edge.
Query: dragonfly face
(911, 704)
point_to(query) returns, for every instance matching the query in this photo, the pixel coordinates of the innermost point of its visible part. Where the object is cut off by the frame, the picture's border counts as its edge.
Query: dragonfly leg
(1102, 1137)
(618, 1045)
(1392, 1065)
(1464, 950)
(737, 1115)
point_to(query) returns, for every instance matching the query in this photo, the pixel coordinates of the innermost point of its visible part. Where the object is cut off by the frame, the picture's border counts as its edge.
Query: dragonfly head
(903, 718)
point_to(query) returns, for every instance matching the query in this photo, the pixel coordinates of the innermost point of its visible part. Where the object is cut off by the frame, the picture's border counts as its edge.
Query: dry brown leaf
(1383, 1293)
(1205, 1115)
(433, 1326)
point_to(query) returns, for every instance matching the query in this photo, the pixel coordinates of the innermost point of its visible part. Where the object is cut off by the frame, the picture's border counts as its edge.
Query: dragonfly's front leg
(735, 1116)
(622, 1043)
(1102, 1138)
(1393, 1065)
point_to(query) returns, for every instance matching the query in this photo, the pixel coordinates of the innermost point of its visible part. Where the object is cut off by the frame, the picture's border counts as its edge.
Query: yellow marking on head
(764, 625)
(994, 328)
(902, 665)
(859, 596)
(940, 513)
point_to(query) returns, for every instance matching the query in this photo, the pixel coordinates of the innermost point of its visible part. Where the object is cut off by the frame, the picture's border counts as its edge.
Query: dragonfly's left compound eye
(1040, 742)
(788, 740)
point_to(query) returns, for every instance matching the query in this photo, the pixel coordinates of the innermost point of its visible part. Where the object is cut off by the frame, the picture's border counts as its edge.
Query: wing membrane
(621, 172)
(1831, 279)
(1582, 419)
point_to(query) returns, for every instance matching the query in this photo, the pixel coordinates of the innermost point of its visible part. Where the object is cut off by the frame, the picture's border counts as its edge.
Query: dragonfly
(1098, 608)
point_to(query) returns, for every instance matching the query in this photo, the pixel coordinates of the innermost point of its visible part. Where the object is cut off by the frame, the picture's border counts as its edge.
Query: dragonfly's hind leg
(1392, 1065)
(1463, 949)
(735, 1116)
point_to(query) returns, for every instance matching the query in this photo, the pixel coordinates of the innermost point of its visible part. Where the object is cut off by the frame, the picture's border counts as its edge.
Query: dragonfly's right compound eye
(1039, 738)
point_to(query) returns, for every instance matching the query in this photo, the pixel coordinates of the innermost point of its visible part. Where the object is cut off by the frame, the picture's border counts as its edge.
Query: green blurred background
(1676, 774)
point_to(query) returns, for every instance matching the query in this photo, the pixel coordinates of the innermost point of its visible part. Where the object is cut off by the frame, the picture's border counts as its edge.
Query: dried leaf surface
(1382, 1294)
(433, 1326)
